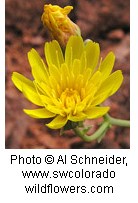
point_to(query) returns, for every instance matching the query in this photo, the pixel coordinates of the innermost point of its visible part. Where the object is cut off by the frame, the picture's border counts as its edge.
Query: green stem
(108, 121)
(115, 121)
(95, 135)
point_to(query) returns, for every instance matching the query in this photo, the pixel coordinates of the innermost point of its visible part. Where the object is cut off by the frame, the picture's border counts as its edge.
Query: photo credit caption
(69, 173)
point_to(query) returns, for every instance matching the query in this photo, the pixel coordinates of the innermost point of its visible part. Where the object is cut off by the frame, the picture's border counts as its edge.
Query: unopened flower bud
(58, 23)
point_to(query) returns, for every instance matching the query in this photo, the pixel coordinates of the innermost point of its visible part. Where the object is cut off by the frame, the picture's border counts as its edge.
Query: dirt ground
(103, 21)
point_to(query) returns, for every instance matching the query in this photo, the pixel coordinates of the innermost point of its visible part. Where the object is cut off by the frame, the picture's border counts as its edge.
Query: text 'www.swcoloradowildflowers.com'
(50, 188)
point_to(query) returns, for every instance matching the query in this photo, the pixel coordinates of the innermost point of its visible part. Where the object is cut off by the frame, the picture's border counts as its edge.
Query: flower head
(70, 87)
(60, 26)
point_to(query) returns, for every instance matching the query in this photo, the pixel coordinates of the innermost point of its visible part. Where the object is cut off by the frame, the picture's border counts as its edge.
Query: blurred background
(106, 22)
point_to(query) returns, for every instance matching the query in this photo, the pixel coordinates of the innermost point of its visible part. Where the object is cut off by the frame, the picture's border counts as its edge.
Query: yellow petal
(54, 109)
(53, 53)
(76, 67)
(100, 98)
(107, 65)
(54, 71)
(39, 70)
(80, 116)
(74, 49)
(27, 87)
(39, 113)
(64, 76)
(19, 80)
(89, 96)
(83, 62)
(53, 83)
(111, 84)
(79, 80)
(46, 100)
(92, 50)
(66, 10)
(32, 96)
(57, 122)
(45, 87)
(96, 112)
(87, 75)
(96, 78)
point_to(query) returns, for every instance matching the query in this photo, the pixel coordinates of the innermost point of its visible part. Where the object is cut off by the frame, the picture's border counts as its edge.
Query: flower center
(69, 99)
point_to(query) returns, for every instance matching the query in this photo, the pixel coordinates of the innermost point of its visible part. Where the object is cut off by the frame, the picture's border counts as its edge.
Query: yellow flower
(70, 87)
(60, 26)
